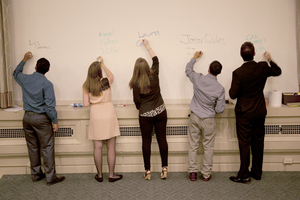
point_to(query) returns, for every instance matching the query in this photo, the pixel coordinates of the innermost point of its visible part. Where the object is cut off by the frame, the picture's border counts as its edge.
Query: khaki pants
(204, 129)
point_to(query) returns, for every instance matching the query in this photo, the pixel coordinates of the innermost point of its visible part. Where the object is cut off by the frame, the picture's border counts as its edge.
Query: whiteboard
(72, 33)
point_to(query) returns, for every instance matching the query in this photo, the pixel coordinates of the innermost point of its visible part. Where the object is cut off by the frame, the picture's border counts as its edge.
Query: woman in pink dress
(103, 125)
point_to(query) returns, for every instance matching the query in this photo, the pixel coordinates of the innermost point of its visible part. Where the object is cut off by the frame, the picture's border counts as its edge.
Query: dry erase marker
(121, 105)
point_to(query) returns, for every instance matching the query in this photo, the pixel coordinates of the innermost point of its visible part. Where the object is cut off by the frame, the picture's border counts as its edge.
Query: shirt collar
(248, 61)
(211, 76)
(38, 73)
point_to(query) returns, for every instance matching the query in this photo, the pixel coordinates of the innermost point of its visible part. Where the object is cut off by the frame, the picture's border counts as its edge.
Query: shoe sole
(56, 181)
(244, 182)
(164, 175)
(148, 177)
(116, 179)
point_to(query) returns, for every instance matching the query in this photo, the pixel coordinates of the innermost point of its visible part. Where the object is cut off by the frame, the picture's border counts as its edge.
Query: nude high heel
(164, 173)
(147, 175)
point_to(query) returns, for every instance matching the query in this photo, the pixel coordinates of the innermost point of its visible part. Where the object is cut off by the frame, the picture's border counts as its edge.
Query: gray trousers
(205, 128)
(40, 140)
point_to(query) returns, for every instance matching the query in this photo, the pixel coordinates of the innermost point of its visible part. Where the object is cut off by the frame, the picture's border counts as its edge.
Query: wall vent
(12, 133)
(290, 129)
(282, 129)
(19, 133)
(272, 129)
(135, 131)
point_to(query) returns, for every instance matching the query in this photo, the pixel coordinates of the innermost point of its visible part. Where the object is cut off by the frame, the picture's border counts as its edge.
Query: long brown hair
(92, 83)
(140, 77)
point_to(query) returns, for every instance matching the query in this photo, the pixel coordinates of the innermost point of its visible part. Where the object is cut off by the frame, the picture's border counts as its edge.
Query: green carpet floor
(273, 186)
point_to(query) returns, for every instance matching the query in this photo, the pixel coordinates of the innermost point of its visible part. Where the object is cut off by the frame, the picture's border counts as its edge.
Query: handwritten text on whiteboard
(139, 43)
(257, 41)
(108, 42)
(38, 45)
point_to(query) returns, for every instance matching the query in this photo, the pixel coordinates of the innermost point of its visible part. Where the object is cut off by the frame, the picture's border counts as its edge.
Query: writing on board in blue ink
(139, 43)
(153, 33)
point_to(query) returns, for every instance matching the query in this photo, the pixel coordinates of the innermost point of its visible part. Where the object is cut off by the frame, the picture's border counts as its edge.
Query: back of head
(92, 83)
(247, 51)
(42, 65)
(95, 70)
(141, 75)
(215, 68)
(141, 67)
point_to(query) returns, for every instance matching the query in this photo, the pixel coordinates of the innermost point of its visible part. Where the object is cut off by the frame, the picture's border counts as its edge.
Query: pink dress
(103, 118)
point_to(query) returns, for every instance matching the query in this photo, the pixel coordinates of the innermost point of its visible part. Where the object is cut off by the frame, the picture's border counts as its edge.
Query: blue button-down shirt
(38, 92)
(209, 94)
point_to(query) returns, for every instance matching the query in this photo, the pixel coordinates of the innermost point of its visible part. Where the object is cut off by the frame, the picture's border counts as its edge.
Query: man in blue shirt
(39, 105)
(208, 99)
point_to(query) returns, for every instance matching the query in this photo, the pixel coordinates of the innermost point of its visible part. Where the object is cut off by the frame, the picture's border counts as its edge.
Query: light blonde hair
(92, 83)
(140, 77)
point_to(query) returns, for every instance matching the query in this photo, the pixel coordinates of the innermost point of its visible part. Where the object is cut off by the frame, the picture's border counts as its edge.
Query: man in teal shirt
(40, 113)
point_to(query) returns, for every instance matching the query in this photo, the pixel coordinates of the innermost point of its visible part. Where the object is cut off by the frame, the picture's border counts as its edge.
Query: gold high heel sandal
(147, 175)
(164, 173)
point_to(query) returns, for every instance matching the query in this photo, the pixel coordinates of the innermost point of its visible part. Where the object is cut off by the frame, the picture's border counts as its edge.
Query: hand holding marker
(198, 54)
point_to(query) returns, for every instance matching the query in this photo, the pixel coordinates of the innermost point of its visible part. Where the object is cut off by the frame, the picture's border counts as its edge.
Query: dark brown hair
(247, 51)
(42, 65)
(215, 68)
(141, 75)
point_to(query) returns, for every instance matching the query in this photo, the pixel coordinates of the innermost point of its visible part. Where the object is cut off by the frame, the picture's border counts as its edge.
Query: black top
(248, 82)
(150, 101)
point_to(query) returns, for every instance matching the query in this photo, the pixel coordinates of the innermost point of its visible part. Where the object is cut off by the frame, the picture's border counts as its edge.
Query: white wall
(72, 33)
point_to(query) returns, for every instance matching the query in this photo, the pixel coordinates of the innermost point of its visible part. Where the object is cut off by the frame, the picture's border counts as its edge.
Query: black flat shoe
(98, 179)
(57, 180)
(120, 176)
(240, 180)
